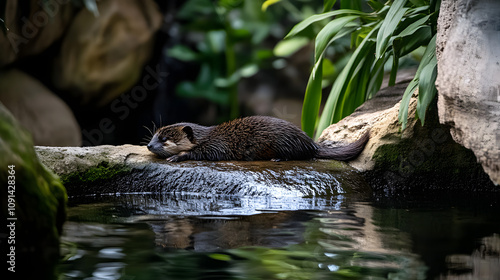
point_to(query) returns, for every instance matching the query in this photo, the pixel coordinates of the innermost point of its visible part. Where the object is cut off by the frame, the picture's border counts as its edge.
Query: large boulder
(32, 26)
(102, 57)
(41, 112)
(468, 77)
(33, 206)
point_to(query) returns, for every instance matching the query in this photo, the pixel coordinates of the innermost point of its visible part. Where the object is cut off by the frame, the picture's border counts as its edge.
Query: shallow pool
(153, 236)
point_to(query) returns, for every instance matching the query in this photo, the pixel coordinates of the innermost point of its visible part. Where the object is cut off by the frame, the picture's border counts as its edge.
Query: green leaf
(330, 114)
(312, 100)
(350, 4)
(315, 18)
(394, 69)
(390, 23)
(375, 5)
(428, 58)
(287, 47)
(412, 28)
(377, 76)
(328, 32)
(426, 88)
(220, 257)
(182, 53)
(405, 102)
(405, 45)
(328, 5)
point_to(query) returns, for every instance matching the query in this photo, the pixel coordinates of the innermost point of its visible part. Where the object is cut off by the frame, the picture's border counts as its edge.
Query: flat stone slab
(132, 169)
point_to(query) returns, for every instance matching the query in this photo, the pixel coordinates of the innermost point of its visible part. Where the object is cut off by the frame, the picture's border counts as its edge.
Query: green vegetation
(230, 40)
(381, 35)
(38, 196)
(103, 171)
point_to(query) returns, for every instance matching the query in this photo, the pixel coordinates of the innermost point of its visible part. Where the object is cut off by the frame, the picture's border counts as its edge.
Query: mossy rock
(40, 203)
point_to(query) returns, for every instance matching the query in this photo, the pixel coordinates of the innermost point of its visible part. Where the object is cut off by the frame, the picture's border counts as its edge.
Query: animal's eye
(163, 139)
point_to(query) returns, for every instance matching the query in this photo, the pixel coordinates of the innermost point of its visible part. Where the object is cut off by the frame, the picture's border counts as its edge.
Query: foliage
(383, 35)
(232, 33)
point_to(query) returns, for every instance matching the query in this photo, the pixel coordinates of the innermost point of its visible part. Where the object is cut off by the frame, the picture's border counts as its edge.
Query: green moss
(103, 171)
(40, 201)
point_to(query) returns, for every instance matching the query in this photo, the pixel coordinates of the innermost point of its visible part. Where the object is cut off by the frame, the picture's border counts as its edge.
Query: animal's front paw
(174, 158)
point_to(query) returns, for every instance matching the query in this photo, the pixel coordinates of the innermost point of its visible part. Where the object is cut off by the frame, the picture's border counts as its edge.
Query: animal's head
(171, 140)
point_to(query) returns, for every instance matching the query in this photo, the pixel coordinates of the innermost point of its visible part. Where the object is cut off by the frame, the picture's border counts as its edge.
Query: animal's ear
(189, 132)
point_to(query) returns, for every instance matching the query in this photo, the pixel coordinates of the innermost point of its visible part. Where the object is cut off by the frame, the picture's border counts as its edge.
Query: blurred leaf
(328, 68)
(182, 53)
(268, 3)
(315, 18)
(328, 5)
(390, 23)
(350, 4)
(287, 47)
(244, 72)
(195, 8)
(418, 2)
(220, 257)
(375, 5)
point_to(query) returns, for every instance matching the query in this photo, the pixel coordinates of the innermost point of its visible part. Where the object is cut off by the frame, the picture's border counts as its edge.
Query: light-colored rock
(380, 115)
(33, 30)
(130, 169)
(419, 158)
(44, 115)
(102, 57)
(468, 78)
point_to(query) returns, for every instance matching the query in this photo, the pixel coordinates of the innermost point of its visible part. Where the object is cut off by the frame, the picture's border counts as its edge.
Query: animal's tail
(344, 153)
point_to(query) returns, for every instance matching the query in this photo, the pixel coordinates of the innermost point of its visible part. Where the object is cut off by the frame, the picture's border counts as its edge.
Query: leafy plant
(232, 32)
(381, 36)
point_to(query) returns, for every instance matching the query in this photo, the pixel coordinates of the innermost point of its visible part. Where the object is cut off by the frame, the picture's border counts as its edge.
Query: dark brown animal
(250, 138)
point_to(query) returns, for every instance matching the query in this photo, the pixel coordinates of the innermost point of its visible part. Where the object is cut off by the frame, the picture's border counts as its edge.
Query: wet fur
(250, 138)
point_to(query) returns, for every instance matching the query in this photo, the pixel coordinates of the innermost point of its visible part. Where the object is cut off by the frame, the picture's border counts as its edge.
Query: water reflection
(172, 237)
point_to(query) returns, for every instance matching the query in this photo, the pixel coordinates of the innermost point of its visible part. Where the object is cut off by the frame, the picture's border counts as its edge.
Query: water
(146, 236)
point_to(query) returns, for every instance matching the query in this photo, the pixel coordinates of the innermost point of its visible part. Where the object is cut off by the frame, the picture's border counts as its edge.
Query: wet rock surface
(129, 169)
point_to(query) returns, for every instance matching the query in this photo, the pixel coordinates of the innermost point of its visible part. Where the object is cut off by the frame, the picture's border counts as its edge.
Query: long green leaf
(342, 81)
(355, 94)
(427, 58)
(324, 37)
(377, 76)
(426, 88)
(405, 102)
(410, 29)
(315, 18)
(405, 45)
(391, 21)
(312, 100)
